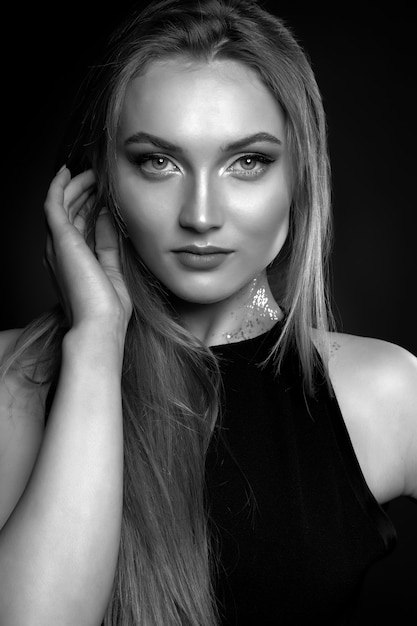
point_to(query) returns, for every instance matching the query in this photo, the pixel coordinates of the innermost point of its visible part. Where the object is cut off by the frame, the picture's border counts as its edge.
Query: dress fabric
(293, 523)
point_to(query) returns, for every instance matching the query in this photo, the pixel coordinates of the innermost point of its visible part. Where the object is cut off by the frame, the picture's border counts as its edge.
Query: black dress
(294, 525)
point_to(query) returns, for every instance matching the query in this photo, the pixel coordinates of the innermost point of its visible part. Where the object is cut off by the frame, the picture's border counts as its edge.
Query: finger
(106, 241)
(49, 251)
(49, 260)
(49, 266)
(54, 212)
(78, 190)
(81, 221)
(81, 204)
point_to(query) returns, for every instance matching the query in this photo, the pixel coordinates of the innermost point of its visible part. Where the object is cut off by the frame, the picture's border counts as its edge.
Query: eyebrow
(141, 137)
(250, 139)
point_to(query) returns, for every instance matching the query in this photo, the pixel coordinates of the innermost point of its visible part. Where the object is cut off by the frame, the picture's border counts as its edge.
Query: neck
(247, 314)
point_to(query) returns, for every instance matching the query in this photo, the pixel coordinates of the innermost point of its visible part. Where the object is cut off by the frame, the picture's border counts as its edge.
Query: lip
(201, 257)
(194, 249)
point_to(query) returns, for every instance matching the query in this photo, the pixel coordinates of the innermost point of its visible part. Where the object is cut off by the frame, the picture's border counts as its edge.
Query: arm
(21, 429)
(407, 395)
(376, 386)
(58, 549)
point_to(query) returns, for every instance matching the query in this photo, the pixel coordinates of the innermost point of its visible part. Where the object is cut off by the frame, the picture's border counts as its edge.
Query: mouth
(201, 258)
(202, 250)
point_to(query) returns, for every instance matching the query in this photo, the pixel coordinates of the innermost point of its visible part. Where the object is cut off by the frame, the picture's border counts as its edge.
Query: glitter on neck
(257, 317)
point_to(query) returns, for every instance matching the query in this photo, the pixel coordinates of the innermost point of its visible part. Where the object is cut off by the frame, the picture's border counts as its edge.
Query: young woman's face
(203, 176)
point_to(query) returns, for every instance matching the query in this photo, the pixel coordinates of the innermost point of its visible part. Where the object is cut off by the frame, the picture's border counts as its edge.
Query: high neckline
(245, 345)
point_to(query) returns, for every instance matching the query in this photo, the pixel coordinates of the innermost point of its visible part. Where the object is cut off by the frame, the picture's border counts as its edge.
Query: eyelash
(260, 158)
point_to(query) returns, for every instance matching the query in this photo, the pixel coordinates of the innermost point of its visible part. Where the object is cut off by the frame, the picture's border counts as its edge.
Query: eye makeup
(245, 167)
(154, 165)
(248, 163)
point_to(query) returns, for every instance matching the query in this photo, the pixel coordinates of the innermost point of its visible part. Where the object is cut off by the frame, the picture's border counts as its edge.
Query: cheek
(273, 234)
(264, 215)
(140, 208)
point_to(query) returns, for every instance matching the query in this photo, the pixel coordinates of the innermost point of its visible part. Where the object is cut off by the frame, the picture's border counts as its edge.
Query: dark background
(365, 67)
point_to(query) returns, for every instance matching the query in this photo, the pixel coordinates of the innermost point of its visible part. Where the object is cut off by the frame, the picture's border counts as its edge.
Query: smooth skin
(61, 489)
(203, 191)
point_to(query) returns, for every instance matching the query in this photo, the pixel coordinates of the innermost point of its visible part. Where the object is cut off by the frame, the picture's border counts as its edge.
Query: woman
(195, 465)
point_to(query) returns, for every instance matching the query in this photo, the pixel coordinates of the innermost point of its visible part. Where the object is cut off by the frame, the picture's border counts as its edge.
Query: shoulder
(19, 395)
(8, 339)
(21, 427)
(387, 366)
(386, 371)
(21, 399)
(375, 383)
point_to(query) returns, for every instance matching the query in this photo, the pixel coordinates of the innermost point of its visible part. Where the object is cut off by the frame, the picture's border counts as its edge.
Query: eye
(250, 165)
(155, 164)
(159, 163)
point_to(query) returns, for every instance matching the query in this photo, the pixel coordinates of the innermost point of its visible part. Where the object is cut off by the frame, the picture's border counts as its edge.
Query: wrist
(97, 342)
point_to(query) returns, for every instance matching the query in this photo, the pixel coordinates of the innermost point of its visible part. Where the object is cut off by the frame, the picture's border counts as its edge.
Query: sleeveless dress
(294, 526)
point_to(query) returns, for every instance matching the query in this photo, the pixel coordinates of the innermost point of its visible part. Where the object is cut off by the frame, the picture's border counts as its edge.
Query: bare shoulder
(21, 399)
(7, 339)
(375, 383)
(387, 366)
(385, 370)
(21, 427)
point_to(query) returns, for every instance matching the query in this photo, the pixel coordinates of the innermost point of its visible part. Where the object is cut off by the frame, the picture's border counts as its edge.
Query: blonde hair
(170, 381)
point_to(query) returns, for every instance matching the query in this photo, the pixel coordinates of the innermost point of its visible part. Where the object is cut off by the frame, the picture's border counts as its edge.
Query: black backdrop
(365, 68)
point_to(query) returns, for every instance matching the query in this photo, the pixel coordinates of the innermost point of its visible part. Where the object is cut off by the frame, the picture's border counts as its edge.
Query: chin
(204, 299)
(201, 295)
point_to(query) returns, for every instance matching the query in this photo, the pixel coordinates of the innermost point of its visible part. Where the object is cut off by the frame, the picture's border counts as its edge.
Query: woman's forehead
(204, 100)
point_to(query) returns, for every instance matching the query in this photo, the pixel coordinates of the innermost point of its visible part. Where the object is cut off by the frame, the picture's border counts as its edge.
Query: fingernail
(61, 169)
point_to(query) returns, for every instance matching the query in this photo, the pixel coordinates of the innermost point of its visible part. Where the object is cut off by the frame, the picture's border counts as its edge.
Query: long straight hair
(170, 381)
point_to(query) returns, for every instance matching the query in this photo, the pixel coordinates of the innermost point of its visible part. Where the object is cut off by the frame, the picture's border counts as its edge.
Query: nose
(201, 209)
